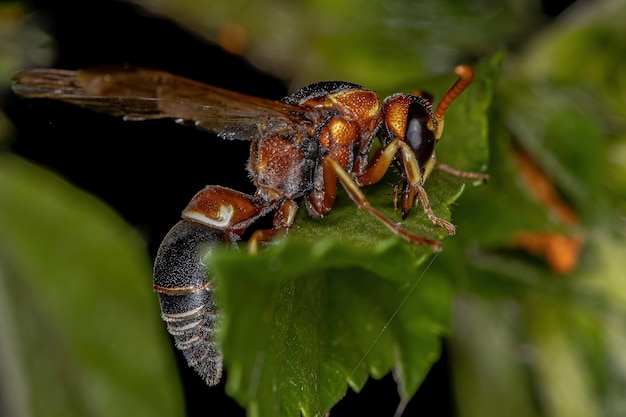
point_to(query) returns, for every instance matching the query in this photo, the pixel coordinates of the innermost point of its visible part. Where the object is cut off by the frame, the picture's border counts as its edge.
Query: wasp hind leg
(284, 216)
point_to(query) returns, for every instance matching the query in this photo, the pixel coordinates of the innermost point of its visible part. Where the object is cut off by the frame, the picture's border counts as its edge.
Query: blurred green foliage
(76, 308)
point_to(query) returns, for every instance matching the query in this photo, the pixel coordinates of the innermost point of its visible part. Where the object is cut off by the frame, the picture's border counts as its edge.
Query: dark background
(133, 165)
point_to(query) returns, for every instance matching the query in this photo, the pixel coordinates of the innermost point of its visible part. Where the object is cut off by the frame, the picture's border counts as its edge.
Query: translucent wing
(143, 94)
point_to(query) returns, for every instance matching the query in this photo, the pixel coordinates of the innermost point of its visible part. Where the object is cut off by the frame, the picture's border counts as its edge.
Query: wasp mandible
(300, 146)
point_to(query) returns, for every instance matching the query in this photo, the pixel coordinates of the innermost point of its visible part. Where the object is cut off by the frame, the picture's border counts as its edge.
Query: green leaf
(318, 318)
(341, 298)
(79, 324)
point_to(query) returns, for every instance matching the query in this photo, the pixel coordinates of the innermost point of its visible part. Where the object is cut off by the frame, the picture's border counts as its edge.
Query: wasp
(300, 147)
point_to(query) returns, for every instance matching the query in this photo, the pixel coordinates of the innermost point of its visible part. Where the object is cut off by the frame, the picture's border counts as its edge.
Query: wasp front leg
(413, 178)
(322, 200)
(411, 190)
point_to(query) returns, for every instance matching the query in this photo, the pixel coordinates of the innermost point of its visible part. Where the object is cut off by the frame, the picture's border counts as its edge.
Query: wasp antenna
(466, 76)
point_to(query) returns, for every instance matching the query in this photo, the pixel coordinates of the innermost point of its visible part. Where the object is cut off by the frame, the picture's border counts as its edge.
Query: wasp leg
(354, 191)
(380, 163)
(412, 177)
(421, 193)
(284, 217)
(462, 174)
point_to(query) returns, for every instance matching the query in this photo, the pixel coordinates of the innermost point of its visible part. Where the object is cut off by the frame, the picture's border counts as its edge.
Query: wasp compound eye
(186, 296)
(418, 134)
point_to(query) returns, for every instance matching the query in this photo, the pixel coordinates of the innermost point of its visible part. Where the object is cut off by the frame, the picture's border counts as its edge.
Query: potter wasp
(300, 147)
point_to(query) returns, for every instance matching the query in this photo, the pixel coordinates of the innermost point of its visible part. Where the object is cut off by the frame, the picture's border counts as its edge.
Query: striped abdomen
(186, 296)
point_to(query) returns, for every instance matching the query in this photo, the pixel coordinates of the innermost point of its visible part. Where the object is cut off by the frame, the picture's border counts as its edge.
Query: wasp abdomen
(186, 296)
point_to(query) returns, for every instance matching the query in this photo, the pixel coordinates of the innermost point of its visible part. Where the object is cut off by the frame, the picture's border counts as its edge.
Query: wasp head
(411, 119)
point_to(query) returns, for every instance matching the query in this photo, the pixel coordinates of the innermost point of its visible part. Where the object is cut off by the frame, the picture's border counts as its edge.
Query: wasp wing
(143, 94)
